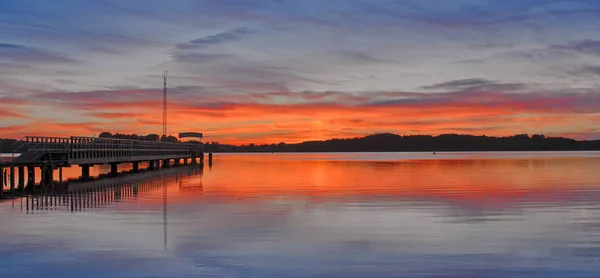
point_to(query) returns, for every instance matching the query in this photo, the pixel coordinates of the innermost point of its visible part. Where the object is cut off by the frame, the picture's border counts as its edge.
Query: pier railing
(93, 150)
(39, 143)
(91, 147)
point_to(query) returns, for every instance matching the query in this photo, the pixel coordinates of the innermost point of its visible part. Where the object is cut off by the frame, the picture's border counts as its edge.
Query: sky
(267, 71)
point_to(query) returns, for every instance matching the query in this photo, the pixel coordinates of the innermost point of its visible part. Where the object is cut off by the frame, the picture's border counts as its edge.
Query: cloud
(23, 54)
(223, 37)
(588, 47)
(308, 115)
(588, 71)
(472, 84)
(462, 83)
(360, 57)
(199, 57)
(6, 113)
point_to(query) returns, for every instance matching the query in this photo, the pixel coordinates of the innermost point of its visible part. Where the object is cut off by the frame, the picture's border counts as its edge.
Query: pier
(54, 153)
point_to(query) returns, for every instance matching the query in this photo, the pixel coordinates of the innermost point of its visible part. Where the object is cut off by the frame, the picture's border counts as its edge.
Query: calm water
(319, 215)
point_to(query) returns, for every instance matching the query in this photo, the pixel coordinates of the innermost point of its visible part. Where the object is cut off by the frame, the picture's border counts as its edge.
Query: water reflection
(319, 215)
(77, 196)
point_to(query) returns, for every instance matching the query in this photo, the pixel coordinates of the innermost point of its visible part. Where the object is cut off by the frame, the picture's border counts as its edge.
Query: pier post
(43, 177)
(12, 178)
(114, 169)
(166, 163)
(177, 161)
(201, 157)
(210, 157)
(185, 161)
(21, 183)
(2, 182)
(60, 174)
(85, 171)
(136, 166)
(151, 164)
(47, 174)
(30, 176)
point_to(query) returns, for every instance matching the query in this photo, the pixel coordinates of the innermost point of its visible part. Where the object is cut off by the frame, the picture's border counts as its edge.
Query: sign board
(190, 134)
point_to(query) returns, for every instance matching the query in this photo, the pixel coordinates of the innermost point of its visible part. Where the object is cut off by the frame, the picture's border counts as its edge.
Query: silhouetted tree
(152, 137)
(105, 135)
(169, 138)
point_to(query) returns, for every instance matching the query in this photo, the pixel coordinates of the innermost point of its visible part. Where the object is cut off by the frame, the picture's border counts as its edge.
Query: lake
(471, 214)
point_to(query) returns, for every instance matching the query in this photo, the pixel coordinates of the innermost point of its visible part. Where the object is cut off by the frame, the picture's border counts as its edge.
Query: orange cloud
(294, 117)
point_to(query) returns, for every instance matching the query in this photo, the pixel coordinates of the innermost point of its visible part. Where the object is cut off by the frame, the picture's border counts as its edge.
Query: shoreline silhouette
(389, 142)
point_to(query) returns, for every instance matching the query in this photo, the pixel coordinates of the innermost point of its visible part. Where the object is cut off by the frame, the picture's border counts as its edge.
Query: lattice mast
(165, 103)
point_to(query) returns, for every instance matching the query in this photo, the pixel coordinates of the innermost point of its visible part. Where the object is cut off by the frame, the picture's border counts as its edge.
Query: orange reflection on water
(476, 180)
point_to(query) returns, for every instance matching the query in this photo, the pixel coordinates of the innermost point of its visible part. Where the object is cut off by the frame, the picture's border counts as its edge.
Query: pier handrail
(46, 143)
(93, 150)
(15, 148)
(135, 140)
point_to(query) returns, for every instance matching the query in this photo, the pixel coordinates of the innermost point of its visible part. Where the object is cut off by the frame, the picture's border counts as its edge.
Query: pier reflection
(78, 196)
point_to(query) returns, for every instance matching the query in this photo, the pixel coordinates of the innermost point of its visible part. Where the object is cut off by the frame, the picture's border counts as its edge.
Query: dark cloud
(229, 36)
(198, 57)
(361, 57)
(588, 47)
(23, 54)
(460, 83)
(475, 84)
(566, 101)
(593, 71)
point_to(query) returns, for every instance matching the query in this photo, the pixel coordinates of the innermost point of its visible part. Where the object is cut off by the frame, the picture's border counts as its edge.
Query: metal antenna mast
(165, 104)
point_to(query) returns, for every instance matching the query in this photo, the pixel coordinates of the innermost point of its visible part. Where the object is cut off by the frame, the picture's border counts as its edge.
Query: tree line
(388, 142)
(149, 137)
(385, 142)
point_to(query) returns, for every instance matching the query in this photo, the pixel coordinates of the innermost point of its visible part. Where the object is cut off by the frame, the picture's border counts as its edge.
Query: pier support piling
(12, 178)
(21, 183)
(47, 175)
(151, 164)
(136, 166)
(30, 177)
(2, 182)
(85, 171)
(114, 169)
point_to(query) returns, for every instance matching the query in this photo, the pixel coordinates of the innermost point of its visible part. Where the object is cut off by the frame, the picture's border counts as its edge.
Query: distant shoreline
(387, 142)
